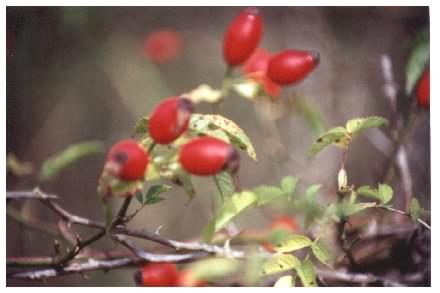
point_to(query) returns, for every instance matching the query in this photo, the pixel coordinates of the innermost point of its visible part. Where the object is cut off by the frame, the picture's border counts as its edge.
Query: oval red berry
(207, 156)
(242, 36)
(169, 119)
(291, 66)
(159, 275)
(130, 158)
(422, 91)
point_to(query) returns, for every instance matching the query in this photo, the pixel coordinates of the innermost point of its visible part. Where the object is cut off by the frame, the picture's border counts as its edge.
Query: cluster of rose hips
(169, 120)
(166, 275)
(240, 47)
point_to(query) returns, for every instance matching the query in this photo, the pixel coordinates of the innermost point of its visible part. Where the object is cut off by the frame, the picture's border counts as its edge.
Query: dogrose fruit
(127, 160)
(291, 66)
(157, 275)
(205, 156)
(242, 36)
(169, 119)
(255, 68)
(422, 91)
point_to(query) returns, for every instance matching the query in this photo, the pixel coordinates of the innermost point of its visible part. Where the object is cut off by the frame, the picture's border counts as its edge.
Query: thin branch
(426, 225)
(152, 257)
(361, 278)
(26, 194)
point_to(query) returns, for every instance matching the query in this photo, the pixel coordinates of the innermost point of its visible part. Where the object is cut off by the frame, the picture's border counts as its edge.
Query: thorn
(157, 232)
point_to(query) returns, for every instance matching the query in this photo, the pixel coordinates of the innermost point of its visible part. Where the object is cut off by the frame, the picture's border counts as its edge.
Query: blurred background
(89, 73)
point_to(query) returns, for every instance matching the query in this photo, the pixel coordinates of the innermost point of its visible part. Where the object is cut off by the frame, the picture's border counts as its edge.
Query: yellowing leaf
(205, 124)
(322, 253)
(354, 126)
(292, 242)
(334, 135)
(213, 268)
(280, 263)
(306, 272)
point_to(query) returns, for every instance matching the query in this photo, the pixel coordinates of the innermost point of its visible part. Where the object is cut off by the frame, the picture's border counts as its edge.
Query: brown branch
(361, 278)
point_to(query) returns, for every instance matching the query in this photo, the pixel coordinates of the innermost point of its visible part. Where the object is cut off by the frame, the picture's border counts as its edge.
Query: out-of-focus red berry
(292, 66)
(242, 36)
(169, 119)
(163, 46)
(206, 155)
(186, 279)
(129, 160)
(158, 275)
(285, 223)
(256, 68)
(422, 91)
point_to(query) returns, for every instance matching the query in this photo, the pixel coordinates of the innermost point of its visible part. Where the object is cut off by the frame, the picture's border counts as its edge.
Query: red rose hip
(128, 159)
(422, 91)
(157, 275)
(242, 36)
(205, 156)
(291, 66)
(169, 119)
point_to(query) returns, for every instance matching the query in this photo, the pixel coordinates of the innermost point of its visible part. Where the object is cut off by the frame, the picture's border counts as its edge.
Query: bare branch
(356, 278)
(426, 225)
(152, 257)
(26, 194)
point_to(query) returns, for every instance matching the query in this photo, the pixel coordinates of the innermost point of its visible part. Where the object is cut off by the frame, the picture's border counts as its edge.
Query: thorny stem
(109, 262)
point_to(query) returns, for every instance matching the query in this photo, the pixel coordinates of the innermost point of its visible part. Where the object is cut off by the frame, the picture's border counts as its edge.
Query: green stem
(217, 184)
(226, 86)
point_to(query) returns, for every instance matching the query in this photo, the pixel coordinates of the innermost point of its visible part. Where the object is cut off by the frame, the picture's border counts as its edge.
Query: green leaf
(416, 64)
(415, 209)
(306, 272)
(213, 268)
(233, 206)
(288, 185)
(152, 195)
(322, 253)
(56, 163)
(312, 116)
(225, 183)
(355, 126)
(267, 194)
(334, 135)
(346, 208)
(284, 282)
(205, 124)
(184, 179)
(293, 242)
(384, 193)
(312, 191)
(280, 263)
(141, 126)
